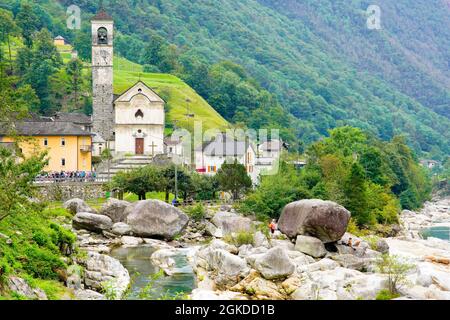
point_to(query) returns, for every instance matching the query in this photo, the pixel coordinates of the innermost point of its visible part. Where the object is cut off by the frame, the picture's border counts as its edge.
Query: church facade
(139, 121)
(133, 123)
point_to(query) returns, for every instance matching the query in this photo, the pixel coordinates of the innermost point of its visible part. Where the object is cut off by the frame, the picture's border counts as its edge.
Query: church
(131, 123)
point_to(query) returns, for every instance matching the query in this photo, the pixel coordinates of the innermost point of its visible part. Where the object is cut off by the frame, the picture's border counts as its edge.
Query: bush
(62, 238)
(241, 238)
(196, 212)
(396, 270)
(42, 263)
(386, 295)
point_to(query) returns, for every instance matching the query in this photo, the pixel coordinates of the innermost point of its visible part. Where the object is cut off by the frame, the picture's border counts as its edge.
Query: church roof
(102, 16)
(141, 85)
(59, 38)
(74, 117)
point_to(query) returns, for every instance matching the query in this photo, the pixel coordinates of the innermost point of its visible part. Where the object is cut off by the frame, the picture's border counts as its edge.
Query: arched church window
(139, 114)
(102, 34)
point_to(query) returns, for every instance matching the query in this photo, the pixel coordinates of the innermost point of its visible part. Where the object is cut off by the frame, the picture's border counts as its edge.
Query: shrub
(396, 270)
(42, 263)
(386, 295)
(239, 239)
(62, 238)
(196, 212)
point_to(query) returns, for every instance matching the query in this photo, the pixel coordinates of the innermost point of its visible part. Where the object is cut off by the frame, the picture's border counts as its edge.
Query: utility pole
(176, 166)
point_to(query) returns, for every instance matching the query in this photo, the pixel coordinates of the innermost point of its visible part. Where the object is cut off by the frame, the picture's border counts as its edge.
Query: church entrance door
(139, 146)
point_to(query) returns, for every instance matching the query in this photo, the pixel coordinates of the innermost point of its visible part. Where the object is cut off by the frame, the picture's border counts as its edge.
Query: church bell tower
(102, 75)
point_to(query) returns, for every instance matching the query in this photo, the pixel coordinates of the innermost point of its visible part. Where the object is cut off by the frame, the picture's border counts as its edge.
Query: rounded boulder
(154, 218)
(325, 220)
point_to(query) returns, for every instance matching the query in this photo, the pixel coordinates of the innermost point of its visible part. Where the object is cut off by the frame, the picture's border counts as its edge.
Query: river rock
(350, 261)
(163, 258)
(76, 205)
(115, 209)
(228, 268)
(275, 264)
(285, 244)
(322, 265)
(121, 229)
(364, 286)
(324, 220)
(308, 290)
(92, 222)
(131, 241)
(86, 295)
(104, 271)
(212, 230)
(21, 287)
(230, 222)
(260, 240)
(259, 288)
(382, 246)
(310, 246)
(154, 218)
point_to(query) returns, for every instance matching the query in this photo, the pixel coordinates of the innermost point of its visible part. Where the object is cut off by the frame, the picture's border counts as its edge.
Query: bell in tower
(102, 34)
(102, 75)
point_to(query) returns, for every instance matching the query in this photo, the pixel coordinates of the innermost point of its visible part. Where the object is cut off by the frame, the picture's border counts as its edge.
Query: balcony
(85, 148)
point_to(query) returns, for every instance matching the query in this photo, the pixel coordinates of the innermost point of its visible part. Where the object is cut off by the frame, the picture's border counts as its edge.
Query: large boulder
(324, 220)
(275, 264)
(228, 268)
(76, 205)
(106, 273)
(92, 222)
(230, 222)
(310, 246)
(154, 218)
(115, 209)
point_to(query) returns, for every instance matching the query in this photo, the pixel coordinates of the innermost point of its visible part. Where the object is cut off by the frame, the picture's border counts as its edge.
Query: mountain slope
(411, 51)
(174, 91)
(313, 61)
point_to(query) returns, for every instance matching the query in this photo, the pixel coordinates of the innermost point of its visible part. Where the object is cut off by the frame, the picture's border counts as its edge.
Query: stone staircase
(122, 164)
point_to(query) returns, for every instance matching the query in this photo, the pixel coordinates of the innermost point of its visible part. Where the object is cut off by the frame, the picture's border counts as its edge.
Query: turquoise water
(437, 232)
(137, 261)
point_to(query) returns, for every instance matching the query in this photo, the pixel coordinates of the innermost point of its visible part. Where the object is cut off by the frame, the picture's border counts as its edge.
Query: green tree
(38, 65)
(8, 28)
(74, 70)
(233, 177)
(28, 22)
(16, 181)
(139, 181)
(355, 190)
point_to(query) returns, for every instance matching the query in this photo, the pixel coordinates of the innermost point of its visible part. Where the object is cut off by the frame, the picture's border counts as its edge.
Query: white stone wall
(126, 138)
(126, 111)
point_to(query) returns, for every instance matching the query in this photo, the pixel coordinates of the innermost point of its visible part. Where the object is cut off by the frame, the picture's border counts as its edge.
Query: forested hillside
(305, 66)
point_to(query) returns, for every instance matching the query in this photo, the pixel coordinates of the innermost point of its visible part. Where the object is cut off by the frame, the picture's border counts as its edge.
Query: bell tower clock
(102, 75)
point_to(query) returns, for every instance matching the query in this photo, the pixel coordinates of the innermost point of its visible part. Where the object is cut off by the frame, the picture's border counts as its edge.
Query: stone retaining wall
(69, 190)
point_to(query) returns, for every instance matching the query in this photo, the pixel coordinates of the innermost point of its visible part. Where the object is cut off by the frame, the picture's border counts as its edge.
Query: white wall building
(139, 122)
(210, 158)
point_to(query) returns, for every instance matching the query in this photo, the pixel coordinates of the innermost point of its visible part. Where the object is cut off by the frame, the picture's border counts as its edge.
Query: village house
(212, 155)
(68, 146)
(59, 41)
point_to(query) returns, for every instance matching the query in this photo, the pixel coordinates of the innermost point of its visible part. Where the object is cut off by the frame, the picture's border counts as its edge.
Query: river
(138, 263)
